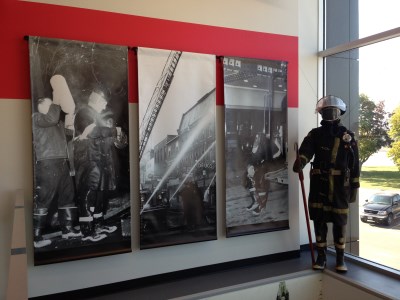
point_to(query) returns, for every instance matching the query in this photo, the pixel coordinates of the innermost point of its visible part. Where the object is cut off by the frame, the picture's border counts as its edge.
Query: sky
(193, 78)
(380, 63)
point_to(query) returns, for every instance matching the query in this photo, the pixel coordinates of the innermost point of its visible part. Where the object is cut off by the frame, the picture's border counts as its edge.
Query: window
(361, 57)
(369, 10)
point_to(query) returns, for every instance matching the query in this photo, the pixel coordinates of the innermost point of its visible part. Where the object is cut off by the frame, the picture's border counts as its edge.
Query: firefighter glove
(353, 195)
(299, 164)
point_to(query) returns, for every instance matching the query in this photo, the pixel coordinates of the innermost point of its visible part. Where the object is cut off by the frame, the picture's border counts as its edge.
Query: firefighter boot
(100, 227)
(88, 232)
(39, 221)
(321, 259)
(264, 199)
(261, 203)
(67, 217)
(254, 203)
(86, 200)
(340, 264)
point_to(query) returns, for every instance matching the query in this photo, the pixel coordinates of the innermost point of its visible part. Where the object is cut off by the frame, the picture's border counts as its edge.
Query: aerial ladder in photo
(157, 99)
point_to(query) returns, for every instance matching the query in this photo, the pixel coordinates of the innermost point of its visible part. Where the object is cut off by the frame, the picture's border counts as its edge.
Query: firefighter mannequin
(334, 177)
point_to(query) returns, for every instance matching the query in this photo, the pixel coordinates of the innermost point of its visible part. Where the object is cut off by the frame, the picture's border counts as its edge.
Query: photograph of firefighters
(80, 149)
(52, 169)
(334, 178)
(255, 145)
(176, 147)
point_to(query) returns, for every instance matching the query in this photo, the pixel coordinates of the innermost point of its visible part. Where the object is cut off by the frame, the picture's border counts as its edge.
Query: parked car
(382, 208)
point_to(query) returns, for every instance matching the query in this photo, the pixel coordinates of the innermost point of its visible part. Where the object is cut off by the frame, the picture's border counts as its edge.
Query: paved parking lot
(379, 243)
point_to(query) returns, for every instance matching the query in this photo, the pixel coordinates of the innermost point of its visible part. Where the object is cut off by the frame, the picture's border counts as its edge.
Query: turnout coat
(93, 156)
(334, 171)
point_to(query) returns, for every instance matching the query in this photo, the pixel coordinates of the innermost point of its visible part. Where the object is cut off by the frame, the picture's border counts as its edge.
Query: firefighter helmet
(330, 108)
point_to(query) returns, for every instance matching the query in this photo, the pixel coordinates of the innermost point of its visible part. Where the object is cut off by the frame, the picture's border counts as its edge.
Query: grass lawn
(387, 177)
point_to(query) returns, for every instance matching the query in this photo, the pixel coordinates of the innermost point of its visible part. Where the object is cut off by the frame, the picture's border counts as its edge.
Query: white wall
(334, 287)
(301, 286)
(15, 171)
(273, 16)
(309, 89)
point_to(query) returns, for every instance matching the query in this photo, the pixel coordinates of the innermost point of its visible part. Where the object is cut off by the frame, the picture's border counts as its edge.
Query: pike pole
(301, 178)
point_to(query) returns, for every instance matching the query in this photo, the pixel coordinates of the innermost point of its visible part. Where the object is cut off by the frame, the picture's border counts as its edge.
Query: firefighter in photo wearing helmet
(334, 178)
(95, 167)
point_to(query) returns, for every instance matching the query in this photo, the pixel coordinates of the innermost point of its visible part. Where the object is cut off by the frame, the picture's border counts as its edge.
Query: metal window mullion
(372, 39)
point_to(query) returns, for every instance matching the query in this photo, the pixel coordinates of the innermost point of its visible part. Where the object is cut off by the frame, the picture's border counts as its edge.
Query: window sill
(366, 275)
(189, 284)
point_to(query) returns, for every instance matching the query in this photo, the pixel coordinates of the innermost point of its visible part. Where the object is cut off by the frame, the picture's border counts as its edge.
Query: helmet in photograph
(330, 108)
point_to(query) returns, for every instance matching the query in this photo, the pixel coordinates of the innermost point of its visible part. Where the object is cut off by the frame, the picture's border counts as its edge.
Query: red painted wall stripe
(19, 18)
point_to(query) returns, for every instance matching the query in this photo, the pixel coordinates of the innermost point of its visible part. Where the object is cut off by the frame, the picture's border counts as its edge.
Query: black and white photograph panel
(81, 204)
(176, 147)
(255, 95)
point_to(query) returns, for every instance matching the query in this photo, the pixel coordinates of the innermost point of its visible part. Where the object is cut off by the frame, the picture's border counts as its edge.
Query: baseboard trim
(306, 247)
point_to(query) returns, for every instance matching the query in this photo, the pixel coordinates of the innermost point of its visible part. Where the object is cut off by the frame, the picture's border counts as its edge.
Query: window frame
(342, 48)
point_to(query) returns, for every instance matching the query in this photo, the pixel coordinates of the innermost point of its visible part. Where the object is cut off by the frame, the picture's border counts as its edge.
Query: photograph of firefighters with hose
(176, 147)
(81, 204)
(255, 145)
